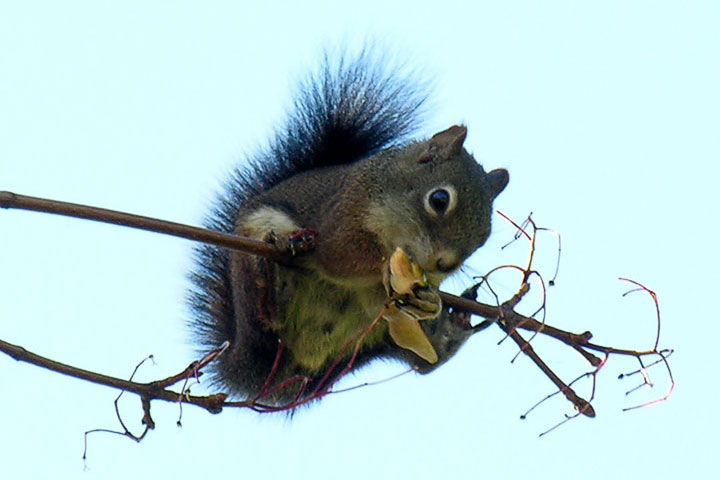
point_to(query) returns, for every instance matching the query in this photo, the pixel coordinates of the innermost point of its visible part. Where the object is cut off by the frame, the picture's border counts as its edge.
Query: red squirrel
(343, 174)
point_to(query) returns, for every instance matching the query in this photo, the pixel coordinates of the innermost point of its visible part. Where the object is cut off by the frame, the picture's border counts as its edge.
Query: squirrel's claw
(294, 243)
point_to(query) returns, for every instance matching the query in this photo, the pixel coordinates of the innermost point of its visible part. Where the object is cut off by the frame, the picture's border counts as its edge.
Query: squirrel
(387, 217)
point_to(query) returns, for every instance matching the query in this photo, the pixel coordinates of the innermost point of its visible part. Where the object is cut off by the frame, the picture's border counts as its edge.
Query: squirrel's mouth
(437, 263)
(441, 265)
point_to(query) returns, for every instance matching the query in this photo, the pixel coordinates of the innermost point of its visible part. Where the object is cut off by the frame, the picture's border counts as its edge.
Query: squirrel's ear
(451, 139)
(499, 179)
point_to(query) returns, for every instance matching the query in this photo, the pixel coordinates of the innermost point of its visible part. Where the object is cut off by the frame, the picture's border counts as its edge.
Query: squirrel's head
(436, 202)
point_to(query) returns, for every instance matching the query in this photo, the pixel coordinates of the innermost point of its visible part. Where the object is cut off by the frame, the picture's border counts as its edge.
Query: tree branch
(12, 200)
(155, 390)
(502, 313)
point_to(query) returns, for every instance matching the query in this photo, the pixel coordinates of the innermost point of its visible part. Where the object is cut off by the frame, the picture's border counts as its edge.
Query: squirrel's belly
(323, 321)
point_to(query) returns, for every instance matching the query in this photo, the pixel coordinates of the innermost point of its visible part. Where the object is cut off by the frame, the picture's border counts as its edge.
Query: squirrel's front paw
(423, 303)
(407, 286)
(411, 299)
(297, 242)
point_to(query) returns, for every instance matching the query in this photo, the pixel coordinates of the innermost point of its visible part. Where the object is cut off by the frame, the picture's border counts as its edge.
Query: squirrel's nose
(447, 261)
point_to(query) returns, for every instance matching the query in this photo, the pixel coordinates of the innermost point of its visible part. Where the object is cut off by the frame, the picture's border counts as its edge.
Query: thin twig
(211, 403)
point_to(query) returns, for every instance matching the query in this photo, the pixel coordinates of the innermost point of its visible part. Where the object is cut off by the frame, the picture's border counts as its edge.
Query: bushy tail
(349, 109)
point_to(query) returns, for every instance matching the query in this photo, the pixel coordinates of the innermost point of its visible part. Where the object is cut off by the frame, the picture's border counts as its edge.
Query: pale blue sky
(605, 113)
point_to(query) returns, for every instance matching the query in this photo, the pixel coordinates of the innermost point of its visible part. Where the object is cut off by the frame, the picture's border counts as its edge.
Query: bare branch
(503, 314)
(152, 390)
(509, 321)
(12, 200)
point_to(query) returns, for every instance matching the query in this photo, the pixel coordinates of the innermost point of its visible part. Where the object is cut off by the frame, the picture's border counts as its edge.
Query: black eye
(439, 200)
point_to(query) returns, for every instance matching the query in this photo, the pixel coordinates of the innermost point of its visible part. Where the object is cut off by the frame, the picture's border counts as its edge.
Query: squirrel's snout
(446, 267)
(446, 261)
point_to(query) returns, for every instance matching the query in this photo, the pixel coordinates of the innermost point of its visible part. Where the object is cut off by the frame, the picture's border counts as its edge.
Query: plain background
(605, 113)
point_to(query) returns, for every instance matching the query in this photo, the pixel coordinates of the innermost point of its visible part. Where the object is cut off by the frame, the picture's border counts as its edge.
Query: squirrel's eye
(440, 201)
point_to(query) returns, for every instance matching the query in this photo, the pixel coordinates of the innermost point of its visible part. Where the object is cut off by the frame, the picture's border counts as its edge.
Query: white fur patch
(264, 220)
